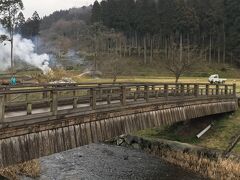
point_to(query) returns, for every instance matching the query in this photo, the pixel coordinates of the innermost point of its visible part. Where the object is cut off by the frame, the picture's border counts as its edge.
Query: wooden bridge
(39, 120)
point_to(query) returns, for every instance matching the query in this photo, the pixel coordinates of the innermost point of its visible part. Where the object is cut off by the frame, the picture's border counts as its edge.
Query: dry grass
(214, 169)
(223, 132)
(55, 75)
(30, 169)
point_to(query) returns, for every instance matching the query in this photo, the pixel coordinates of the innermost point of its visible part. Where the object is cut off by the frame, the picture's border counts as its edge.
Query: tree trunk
(151, 51)
(224, 44)
(114, 79)
(181, 47)
(120, 48)
(145, 50)
(219, 55)
(210, 50)
(188, 48)
(136, 40)
(177, 76)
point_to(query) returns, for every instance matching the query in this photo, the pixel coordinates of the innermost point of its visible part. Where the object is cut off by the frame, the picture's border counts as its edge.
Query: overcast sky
(46, 7)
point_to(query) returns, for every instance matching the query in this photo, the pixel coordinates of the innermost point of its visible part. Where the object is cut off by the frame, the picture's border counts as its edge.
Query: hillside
(146, 37)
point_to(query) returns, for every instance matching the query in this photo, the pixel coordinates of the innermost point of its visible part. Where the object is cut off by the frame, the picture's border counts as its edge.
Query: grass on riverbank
(218, 137)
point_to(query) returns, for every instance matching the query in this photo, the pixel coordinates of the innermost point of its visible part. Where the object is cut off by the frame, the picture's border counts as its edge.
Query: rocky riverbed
(102, 161)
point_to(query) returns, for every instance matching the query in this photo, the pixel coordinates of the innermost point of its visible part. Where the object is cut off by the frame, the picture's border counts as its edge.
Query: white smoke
(23, 50)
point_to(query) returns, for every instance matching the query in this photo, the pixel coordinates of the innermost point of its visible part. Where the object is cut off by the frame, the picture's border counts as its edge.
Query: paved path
(106, 162)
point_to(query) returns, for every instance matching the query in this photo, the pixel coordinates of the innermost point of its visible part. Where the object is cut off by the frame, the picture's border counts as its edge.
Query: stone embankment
(207, 162)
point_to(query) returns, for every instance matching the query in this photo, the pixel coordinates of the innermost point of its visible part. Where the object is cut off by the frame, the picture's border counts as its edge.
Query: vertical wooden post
(188, 89)
(146, 93)
(226, 90)
(152, 91)
(93, 101)
(75, 99)
(234, 90)
(45, 93)
(207, 90)
(166, 90)
(29, 105)
(54, 105)
(7, 97)
(196, 90)
(136, 93)
(123, 99)
(182, 90)
(177, 89)
(2, 108)
(217, 89)
(108, 96)
(100, 91)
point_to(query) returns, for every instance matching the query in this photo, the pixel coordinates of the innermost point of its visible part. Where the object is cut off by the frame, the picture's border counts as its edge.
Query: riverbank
(225, 128)
(207, 162)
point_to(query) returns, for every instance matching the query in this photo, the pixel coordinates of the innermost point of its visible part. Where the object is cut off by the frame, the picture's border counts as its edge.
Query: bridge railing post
(234, 90)
(166, 90)
(75, 99)
(123, 95)
(29, 105)
(226, 89)
(54, 104)
(93, 100)
(196, 90)
(207, 90)
(136, 94)
(146, 93)
(217, 89)
(154, 91)
(100, 91)
(182, 90)
(177, 92)
(108, 96)
(45, 93)
(188, 89)
(2, 108)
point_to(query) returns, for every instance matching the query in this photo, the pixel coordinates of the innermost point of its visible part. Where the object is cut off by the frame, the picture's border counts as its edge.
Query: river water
(106, 162)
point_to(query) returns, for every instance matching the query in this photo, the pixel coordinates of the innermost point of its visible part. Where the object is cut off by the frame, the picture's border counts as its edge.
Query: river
(107, 162)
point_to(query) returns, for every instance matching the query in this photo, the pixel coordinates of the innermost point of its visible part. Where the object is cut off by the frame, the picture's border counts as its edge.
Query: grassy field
(156, 79)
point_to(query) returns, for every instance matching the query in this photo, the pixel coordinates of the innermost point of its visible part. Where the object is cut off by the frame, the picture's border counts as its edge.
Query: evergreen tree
(232, 23)
(96, 12)
(35, 24)
(9, 10)
(20, 23)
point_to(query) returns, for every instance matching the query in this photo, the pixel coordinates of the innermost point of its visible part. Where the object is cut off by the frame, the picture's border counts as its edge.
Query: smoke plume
(23, 50)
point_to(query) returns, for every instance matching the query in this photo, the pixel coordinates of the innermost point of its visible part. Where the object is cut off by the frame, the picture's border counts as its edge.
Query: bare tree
(180, 63)
(114, 67)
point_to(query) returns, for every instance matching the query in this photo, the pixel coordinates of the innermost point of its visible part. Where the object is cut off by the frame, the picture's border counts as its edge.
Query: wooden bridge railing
(26, 102)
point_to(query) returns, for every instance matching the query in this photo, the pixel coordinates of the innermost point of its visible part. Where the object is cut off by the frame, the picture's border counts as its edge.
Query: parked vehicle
(214, 79)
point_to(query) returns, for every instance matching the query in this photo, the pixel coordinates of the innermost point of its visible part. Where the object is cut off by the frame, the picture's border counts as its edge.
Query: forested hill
(211, 25)
(83, 13)
(151, 30)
